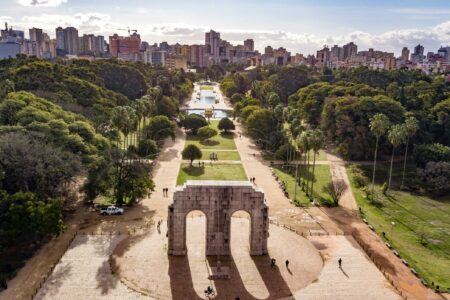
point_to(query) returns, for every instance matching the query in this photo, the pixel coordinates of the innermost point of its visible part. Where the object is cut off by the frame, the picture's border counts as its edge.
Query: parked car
(111, 210)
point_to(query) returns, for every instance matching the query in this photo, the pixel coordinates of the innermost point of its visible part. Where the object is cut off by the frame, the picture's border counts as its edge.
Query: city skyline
(298, 26)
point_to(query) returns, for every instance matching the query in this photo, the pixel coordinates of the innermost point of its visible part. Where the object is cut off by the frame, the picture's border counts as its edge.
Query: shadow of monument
(182, 285)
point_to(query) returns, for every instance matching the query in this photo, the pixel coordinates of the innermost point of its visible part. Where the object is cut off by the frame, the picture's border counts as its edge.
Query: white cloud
(41, 2)
(421, 11)
(103, 24)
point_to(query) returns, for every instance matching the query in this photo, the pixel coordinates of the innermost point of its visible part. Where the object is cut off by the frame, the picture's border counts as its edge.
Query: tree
(226, 124)
(305, 144)
(435, 175)
(396, 136)
(335, 190)
(159, 128)
(273, 100)
(411, 125)
(31, 164)
(191, 152)
(206, 132)
(131, 181)
(379, 123)
(124, 118)
(193, 122)
(7, 86)
(262, 126)
(317, 140)
(147, 147)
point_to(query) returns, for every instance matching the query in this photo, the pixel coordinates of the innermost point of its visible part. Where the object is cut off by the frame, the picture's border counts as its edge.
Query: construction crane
(128, 29)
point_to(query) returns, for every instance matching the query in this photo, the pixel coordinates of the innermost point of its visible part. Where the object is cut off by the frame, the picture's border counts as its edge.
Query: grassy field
(421, 230)
(206, 87)
(322, 178)
(320, 156)
(222, 141)
(211, 172)
(222, 155)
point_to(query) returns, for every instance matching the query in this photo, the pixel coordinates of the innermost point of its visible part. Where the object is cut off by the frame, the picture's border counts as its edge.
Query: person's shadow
(340, 267)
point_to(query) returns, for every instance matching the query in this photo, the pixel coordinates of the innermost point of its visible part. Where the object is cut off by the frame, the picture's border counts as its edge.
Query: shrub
(359, 177)
(226, 124)
(206, 132)
(431, 152)
(147, 147)
(436, 177)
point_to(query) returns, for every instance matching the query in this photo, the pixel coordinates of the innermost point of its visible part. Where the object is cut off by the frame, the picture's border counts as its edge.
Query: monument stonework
(218, 200)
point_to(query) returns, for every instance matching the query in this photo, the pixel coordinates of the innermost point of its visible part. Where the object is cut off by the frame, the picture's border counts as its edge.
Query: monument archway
(218, 200)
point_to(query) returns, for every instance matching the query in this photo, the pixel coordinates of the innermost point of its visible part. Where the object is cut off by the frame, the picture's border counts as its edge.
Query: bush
(206, 132)
(359, 177)
(147, 147)
(193, 122)
(436, 177)
(282, 152)
(384, 188)
(431, 152)
(226, 124)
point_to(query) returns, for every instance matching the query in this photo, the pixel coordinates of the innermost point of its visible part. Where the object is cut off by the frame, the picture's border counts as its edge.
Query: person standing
(340, 262)
(287, 264)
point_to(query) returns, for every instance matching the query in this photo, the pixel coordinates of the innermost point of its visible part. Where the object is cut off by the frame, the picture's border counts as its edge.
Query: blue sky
(299, 25)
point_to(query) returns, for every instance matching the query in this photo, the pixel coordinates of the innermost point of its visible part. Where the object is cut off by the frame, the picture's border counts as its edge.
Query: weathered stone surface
(218, 200)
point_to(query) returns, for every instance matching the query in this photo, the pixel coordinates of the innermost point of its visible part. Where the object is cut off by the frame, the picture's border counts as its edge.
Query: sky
(301, 26)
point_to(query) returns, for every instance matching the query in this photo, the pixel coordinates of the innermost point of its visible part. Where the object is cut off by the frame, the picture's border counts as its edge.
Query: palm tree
(317, 140)
(411, 125)
(118, 120)
(140, 107)
(304, 140)
(396, 136)
(379, 123)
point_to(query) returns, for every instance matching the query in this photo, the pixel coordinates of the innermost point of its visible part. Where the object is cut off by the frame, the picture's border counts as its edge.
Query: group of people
(166, 192)
(252, 180)
(273, 263)
(213, 156)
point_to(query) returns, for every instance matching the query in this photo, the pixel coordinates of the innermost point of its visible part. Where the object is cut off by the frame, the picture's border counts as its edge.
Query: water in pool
(218, 114)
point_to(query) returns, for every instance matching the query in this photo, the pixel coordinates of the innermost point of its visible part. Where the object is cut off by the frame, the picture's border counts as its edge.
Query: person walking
(340, 262)
(287, 264)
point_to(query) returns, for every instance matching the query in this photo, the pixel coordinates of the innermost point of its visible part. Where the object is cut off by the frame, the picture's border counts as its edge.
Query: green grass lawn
(206, 87)
(222, 141)
(319, 156)
(422, 223)
(322, 178)
(211, 172)
(222, 155)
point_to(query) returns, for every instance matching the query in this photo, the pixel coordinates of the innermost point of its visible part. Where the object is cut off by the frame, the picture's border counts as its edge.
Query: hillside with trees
(69, 126)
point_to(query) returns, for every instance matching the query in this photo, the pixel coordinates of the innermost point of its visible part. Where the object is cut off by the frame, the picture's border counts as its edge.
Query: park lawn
(319, 156)
(206, 87)
(322, 178)
(417, 218)
(211, 172)
(222, 141)
(221, 155)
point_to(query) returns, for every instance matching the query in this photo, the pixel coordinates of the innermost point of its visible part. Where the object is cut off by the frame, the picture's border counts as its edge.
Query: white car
(111, 210)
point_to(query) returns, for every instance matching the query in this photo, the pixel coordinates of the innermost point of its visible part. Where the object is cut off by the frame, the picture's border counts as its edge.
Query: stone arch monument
(218, 200)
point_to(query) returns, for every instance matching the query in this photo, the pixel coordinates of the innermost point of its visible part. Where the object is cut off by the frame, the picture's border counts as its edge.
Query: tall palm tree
(140, 107)
(379, 123)
(396, 136)
(411, 125)
(118, 121)
(301, 150)
(317, 140)
(304, 140)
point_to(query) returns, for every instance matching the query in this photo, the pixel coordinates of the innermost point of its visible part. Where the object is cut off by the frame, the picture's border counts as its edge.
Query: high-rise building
(71, 40)
(350, 50)
(196, 55)
(125, 47)
(9, 32)
(336, 53)
(60, 41)
(323, 56)
(36, 39)
(212, 43)
(9, 47)
(417, 56)
(405, 54)
(249, 45)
